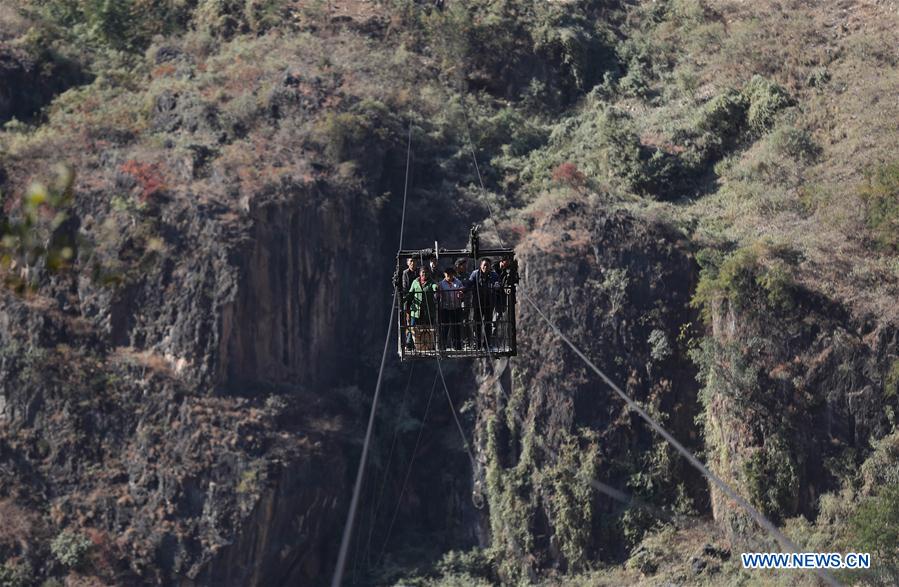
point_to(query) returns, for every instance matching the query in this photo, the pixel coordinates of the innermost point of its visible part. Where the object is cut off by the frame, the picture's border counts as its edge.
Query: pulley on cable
(456, 303)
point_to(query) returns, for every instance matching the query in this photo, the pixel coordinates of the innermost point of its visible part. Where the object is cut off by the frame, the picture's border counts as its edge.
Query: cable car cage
(467, 322)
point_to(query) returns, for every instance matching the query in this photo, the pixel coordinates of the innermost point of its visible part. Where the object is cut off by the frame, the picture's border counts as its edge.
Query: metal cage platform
(468, 322)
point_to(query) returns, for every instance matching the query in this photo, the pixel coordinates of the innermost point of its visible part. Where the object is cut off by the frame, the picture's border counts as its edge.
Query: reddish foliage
(568, 174)
(18, 525)
(518, 229)
(164, 70)
(148, 176)
(104, 554)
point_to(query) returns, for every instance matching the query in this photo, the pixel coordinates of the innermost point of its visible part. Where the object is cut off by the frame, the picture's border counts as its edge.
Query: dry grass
(12, 23)
(851, 49)
(18, 525)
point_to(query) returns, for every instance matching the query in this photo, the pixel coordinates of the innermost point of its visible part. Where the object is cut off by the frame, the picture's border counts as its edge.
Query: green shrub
(880, 195)
(875, 529)
(636, 81)
(881, 468)
(571, 504)
(721, 121)
(772, 480)
(621, 147)
(514, 50)
(249, 482)
(574, 42)
(126, 25)
(12, 575)
(818, 78)
(359, 135)
(71, 548)
(225, 18)
(795, 143)
(660, 348)
(743, 279)
(891, 382)
(41, 235)
(471, 563)
(614, 286)
(766, 99)
(777, 281)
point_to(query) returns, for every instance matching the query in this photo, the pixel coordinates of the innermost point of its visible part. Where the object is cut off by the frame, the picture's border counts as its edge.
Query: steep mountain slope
(702, 193)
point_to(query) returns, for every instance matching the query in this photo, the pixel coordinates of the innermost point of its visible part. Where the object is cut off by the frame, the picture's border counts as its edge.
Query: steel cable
(337, 579)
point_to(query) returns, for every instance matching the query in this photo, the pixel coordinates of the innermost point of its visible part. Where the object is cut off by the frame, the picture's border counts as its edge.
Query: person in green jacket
(422, 301)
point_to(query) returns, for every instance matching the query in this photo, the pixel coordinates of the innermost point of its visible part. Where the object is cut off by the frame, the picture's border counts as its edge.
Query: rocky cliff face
(178, 415)
(30, 78)
(620, 287)
(790, 392)
(183, 406)
(795, 396)
(269, 298)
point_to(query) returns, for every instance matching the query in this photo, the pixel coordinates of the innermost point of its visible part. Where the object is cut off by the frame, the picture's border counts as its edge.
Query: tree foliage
(71, 548)
(875, 529)
(39, 233)
(880, 195)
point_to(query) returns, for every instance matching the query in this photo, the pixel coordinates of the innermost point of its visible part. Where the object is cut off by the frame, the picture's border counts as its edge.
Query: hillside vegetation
(147, 142)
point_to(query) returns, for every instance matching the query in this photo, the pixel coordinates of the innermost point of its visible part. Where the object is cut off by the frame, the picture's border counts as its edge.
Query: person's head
(432, 261)
(449, 273)
(410, 262)
(461, 265)
(485, 264)
(424, 273)
(505, 262)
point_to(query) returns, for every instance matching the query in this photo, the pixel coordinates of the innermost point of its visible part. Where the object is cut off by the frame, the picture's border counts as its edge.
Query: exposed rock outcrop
(179, 415)
(31, 78)
(620, 287)
(794, 397)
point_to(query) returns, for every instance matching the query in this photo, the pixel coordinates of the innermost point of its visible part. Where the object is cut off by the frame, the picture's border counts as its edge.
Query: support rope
(399, 502)
(360, 473)
(380, 498)
(756, 515)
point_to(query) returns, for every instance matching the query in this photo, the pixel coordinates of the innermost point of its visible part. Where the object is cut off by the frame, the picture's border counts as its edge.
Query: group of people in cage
(463, 310)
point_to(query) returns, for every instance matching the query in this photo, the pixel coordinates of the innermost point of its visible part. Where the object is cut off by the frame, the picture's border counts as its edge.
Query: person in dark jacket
(410, 274)
(484, 282)
(436, 271)
(503, 270)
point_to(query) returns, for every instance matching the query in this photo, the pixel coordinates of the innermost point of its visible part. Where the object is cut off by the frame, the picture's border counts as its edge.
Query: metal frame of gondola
(507, 325)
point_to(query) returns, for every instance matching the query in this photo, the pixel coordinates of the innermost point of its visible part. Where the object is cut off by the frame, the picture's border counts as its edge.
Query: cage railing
(459, 325)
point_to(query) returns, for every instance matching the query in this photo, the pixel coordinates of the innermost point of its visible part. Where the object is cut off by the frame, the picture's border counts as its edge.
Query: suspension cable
(380, 497)
(399, 502)
(756, 515)
(406, 181)
(360, 473)
(449, 397)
